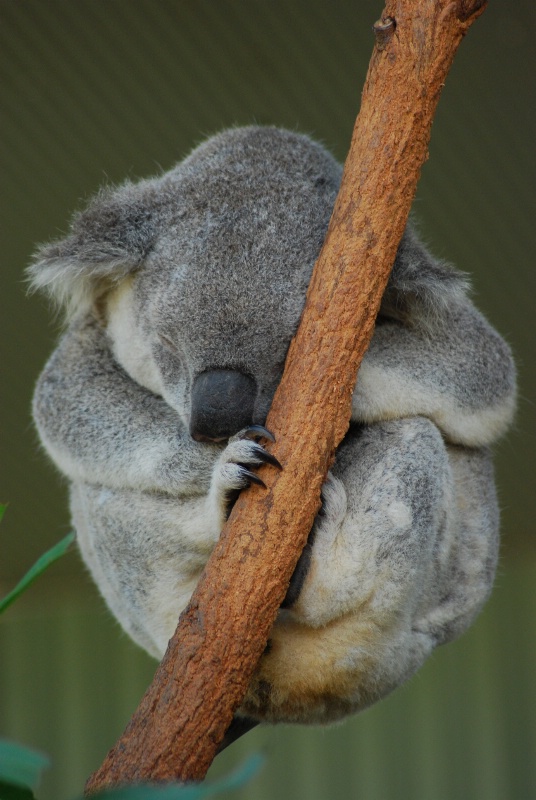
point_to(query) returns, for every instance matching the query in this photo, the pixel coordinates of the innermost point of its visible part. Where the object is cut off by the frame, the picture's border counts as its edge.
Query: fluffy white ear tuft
(72, 283)
(108, 241)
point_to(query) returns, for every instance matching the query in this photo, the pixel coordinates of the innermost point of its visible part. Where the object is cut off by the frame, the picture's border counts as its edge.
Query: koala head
(200, 275)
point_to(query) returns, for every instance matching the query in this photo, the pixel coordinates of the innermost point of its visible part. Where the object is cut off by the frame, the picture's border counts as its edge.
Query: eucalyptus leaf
(42, 563)
(179, 792)
(20, 768)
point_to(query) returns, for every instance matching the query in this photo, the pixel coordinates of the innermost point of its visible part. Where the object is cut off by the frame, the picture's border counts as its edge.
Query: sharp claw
(268, 458)
(257, 430)
(252, 478)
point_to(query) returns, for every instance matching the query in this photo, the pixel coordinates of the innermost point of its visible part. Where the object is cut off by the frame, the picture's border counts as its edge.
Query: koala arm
(100, 426)
(146, 552)
(457, 371)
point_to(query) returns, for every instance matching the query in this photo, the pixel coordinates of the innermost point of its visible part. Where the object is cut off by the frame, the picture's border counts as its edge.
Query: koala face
(214, 349)
(207, 319)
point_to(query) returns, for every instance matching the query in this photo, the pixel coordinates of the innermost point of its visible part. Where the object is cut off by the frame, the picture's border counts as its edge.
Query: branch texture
(221, 636)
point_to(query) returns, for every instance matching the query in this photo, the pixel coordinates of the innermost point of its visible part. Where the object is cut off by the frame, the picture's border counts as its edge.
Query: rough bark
(203, 677)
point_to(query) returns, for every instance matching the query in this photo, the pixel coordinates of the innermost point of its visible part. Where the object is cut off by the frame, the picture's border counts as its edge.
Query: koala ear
(421, 288)
(108, 241)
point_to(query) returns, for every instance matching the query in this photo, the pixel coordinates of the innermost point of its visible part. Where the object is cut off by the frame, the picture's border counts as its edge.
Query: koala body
(183, 294)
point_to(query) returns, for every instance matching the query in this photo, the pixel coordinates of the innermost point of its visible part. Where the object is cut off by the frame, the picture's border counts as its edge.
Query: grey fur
(206, 268)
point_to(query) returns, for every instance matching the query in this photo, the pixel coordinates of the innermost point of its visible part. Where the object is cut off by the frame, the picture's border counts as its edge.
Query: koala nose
(222, 404)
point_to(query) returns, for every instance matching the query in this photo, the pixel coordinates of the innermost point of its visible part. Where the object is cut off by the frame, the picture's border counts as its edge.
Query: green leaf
(10, 792)
(39, 567)
(178, 792)
(20, 768)
(3, 507)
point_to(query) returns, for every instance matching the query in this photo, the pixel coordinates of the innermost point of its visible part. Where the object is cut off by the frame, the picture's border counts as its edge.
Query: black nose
(222, 404)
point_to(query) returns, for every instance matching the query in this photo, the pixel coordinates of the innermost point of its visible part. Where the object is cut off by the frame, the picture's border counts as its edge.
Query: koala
(182, 294)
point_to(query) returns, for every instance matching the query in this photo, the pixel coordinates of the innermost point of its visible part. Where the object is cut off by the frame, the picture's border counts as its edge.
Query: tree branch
(221, 636)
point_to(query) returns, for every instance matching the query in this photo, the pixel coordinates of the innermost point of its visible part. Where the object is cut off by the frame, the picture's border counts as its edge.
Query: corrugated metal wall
(99, 90)
(463, 729)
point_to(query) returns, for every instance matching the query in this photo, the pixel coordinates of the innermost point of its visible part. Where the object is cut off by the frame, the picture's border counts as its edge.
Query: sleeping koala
(183, 293)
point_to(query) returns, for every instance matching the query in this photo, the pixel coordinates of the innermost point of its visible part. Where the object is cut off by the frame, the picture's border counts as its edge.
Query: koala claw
(251, 477)
(256, 432)
(260, 454)
(267, 458)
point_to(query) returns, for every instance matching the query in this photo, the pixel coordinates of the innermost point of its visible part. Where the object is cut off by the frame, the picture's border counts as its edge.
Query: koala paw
(234, 468)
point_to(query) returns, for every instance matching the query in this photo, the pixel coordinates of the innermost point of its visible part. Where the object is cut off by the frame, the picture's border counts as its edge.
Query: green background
(94, 91)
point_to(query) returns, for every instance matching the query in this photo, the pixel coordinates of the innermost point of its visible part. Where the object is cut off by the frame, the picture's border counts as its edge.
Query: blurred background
(95, 91)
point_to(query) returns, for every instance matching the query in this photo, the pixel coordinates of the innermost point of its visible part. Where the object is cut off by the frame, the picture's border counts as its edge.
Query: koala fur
(196, 279)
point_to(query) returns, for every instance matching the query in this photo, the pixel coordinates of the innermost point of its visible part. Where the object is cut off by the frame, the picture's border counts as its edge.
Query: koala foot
(330, 513)
(304, 561)
(301, 570)
(234, 468)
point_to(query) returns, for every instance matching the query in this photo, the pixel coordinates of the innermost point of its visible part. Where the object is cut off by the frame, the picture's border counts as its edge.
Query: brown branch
(221, 636)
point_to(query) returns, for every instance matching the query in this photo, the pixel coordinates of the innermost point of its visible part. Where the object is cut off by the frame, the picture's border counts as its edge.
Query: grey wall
(93, 91)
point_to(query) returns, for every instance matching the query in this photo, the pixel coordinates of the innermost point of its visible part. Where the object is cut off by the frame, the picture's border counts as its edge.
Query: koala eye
(168, 344)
